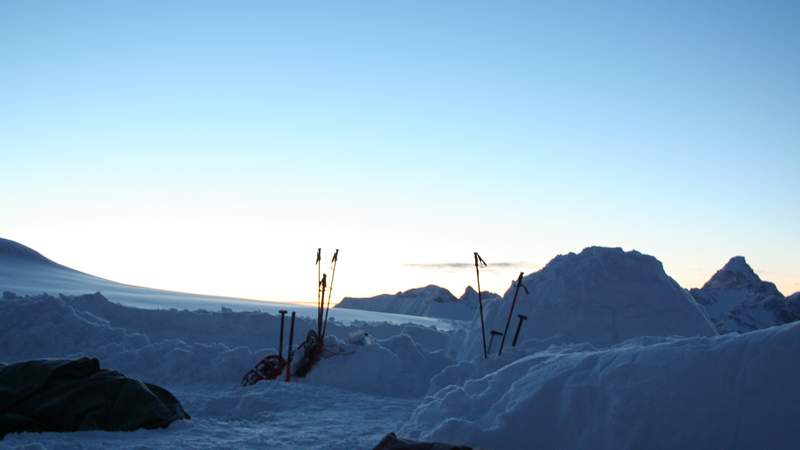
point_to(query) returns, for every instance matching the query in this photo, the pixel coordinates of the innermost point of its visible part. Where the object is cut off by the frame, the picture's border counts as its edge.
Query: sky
(212, 147)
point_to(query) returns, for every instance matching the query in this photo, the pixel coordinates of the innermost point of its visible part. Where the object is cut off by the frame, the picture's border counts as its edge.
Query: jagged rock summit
(737, 300)
(601, 296)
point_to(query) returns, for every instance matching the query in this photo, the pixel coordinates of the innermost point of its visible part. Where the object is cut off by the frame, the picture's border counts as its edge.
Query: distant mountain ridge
(737, 300)
(428, 301)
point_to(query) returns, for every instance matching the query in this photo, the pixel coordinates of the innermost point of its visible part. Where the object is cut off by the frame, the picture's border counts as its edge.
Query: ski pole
(511, 311)
(479, 261)
(289, 351)
(322, 285)
(280, 346)
(522, 319)
(330, 293)
(491, 338)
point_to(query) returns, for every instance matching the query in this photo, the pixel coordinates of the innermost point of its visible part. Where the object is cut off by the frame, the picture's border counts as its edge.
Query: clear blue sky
(212, 146)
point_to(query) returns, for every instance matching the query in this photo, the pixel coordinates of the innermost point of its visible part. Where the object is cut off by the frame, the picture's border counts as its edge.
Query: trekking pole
(280, 346)
(522, 318)
(322, 285)
(319, 280)
(511, 311)
(330, 293)
(289, 351)
(491, 338)
(480, 262)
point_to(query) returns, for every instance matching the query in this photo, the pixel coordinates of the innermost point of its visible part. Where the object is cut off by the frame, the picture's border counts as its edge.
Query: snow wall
(724, 392)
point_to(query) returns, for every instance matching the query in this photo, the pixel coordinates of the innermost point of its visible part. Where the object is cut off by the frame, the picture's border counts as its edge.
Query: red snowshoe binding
(268, 368)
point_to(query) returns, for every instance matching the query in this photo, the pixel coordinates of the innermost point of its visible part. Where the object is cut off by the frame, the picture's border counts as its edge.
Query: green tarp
(76, 395)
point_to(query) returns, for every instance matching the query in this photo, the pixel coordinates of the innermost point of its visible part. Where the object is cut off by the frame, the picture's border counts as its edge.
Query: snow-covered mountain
(736, 299)
(428, 301)
(602, 296)
(25, 271)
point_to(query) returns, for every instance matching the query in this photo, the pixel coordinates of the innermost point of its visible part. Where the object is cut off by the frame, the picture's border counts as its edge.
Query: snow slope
(732, 391)
(736, 299)
(26, 272)
(428, 301)
(602, 296)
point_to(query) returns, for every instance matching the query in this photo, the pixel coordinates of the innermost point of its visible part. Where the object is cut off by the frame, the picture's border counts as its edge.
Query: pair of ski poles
(322, 284)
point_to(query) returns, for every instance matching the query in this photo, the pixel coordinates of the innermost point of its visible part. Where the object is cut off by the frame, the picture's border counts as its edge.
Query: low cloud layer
(463, 265)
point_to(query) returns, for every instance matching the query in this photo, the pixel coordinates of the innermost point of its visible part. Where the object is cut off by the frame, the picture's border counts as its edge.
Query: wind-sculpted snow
(737, 300)
(732, 391)
(185, 347)
(602, 296)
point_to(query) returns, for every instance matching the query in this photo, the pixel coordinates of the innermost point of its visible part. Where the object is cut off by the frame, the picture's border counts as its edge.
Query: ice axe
(280, 345)
(289, 351)
(522, 318)
(511, 311)
(479, 262)
(491, 338)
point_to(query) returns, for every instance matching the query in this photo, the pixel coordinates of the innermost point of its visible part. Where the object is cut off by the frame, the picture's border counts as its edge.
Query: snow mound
(732, 391)
(428, 301)
(736, 299)
(602, 296)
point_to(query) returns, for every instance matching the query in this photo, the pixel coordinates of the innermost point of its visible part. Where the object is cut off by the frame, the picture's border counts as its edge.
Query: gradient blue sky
(212, 146)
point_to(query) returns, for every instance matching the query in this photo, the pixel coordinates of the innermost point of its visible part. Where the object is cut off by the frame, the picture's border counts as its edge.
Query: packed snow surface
(732, 391)
(360, 390)
(736, 299)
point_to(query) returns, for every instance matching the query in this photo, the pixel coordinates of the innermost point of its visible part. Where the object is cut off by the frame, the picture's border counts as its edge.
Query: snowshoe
(268, 368)
(312, 350)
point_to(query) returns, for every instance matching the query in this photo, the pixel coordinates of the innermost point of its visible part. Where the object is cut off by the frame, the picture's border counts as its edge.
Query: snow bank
(187, 347)
(394, 367)
(602, 296)
(732, 391)
(736, 299)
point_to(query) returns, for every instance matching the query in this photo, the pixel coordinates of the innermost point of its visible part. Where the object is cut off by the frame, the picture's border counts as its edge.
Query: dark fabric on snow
(76, 395)
(392, 442)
